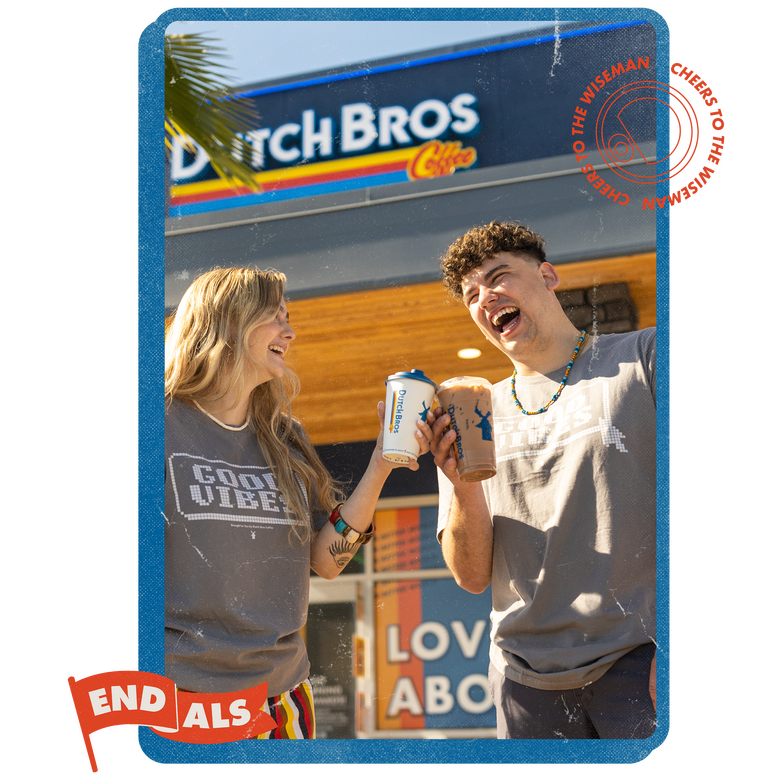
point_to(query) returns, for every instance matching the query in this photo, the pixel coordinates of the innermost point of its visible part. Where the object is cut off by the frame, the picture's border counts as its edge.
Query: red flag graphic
(112, 698)
(146, 699)
(211, 718)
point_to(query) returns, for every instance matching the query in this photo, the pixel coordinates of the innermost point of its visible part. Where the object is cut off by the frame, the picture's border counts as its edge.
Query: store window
(418, 644)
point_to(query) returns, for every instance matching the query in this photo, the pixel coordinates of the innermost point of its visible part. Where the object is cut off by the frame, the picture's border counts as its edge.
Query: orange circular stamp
(689, 132)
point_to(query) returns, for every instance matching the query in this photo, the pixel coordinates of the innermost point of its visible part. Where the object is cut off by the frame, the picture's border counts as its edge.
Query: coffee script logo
(440, 159)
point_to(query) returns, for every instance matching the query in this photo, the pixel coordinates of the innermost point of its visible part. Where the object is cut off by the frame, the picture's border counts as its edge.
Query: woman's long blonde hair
(206, 358)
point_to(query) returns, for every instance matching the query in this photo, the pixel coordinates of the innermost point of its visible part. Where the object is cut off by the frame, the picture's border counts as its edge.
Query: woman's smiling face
(268, 345)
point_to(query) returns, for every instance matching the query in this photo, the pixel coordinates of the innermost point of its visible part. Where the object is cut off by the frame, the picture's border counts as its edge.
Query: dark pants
(616, 706)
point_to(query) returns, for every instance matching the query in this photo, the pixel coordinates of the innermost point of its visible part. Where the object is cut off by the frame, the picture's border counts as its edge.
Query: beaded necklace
(583, 336)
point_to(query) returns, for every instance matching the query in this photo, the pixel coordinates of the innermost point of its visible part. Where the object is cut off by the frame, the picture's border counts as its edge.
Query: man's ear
(550, 276)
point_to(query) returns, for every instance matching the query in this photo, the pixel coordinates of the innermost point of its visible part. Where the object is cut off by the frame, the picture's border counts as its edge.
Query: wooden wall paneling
(348, 344)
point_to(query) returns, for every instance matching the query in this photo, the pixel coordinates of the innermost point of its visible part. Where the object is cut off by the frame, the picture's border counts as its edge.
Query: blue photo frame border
(151, 313)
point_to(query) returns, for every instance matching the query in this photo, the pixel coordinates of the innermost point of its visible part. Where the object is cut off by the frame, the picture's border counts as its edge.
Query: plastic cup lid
(413, 374)
(465, 380)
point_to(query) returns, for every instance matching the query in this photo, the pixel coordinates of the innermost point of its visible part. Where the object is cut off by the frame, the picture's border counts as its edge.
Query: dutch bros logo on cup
(409, 398)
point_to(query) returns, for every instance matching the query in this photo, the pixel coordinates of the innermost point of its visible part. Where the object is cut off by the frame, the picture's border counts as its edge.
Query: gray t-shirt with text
(574, 521)
(236, 580)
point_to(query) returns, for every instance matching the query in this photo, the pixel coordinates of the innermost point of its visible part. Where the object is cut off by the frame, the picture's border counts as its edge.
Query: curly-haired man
(565, 531)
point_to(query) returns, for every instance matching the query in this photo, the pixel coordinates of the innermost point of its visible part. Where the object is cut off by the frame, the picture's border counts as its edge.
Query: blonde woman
(247, 499)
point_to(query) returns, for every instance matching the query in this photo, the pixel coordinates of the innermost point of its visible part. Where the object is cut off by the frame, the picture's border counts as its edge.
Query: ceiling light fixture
(469, 354)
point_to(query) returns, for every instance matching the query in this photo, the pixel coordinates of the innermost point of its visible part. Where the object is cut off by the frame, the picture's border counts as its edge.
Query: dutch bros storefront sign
(361, 146)
(420, 121)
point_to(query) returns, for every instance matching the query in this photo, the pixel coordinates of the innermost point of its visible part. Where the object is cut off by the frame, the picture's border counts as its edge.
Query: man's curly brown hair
(484, 242)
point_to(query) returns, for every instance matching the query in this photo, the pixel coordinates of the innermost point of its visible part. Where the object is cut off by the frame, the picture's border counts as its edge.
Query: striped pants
(293, 712)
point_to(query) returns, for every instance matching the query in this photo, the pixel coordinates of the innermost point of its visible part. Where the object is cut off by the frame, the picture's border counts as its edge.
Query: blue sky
(260, 51)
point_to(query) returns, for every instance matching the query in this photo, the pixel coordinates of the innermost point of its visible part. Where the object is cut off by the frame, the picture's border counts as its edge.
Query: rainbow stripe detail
(293, 712)
(431, 159)
(302, 181)
(392, 410)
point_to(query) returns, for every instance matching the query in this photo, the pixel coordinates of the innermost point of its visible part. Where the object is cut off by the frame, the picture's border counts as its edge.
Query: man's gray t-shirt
(236, 580)
(574, 522)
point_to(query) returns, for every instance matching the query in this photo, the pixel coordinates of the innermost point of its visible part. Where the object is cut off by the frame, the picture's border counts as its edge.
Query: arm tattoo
(342, 552)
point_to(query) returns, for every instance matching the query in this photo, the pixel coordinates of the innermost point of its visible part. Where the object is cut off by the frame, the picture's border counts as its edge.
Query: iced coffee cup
(409, 398)
(467, 400)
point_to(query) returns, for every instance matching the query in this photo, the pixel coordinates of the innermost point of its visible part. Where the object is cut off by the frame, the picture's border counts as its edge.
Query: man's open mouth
(504, 317)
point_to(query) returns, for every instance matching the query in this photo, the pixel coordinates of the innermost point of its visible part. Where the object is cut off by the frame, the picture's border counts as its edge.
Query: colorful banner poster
(432, 637)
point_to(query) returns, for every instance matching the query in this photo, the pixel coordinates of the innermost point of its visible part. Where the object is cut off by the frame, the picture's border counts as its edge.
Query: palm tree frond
(201, 106)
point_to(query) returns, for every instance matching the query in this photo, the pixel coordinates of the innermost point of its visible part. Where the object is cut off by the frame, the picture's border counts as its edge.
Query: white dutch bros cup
(409, 398)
